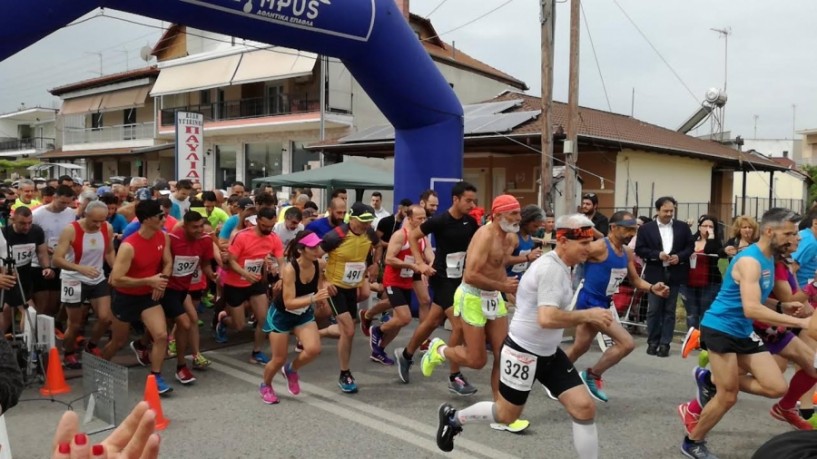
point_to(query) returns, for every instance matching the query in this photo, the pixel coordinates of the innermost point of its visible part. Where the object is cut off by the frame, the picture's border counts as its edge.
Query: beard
(508, 227)
(264, 231)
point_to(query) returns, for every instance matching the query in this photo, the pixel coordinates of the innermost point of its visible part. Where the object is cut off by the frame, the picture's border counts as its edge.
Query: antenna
(145, 53)
(723, 32)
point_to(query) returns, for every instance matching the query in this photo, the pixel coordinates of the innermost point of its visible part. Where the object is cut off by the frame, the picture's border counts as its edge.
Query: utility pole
(724, 32)
(756, 117)
(571, 146)
(547, 19)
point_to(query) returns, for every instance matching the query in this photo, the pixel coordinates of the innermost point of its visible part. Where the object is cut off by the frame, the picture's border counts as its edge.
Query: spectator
(704, 274)
(590, 205)
(377, 205)
(745, 232)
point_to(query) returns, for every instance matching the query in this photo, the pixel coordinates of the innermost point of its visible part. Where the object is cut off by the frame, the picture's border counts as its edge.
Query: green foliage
(812, 190)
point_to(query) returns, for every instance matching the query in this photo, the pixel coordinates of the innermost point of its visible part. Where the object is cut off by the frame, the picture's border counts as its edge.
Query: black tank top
(301, 289)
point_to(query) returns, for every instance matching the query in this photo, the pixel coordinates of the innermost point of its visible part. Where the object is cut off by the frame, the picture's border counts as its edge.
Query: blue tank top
(524, 247)
(601, 280)
(726, 313)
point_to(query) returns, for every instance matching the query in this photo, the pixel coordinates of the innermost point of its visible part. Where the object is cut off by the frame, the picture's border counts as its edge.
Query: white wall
(786, 185)
(687, 180)
(774, 147)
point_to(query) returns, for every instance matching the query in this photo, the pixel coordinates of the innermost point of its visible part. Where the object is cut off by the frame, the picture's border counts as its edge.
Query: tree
(812, 190)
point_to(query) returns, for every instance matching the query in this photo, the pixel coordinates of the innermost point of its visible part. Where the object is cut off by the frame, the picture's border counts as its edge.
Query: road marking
(362, 413)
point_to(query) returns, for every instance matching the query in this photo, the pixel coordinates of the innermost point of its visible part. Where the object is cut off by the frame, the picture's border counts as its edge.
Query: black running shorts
(443, 289)
(344, 301)
(721, 343)
(555, 372)
(236, 296)
(398, 296)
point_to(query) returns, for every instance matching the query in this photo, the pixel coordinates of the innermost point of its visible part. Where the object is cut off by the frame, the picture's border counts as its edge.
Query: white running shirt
(93, 254)
(52, 224)
(546, 283)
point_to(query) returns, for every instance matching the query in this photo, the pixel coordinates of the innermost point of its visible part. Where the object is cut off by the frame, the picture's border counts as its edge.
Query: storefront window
(262, 160)
(303, 159)
(225, 165)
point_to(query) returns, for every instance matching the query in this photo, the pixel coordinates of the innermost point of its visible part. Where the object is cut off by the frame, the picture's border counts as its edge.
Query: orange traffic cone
(54, 378)
(152, 397)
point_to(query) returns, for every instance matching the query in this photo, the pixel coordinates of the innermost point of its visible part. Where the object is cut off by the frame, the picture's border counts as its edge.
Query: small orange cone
(54, 378)
(152, 397)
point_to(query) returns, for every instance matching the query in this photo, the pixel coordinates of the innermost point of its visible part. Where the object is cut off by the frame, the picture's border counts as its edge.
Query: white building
(27, 133)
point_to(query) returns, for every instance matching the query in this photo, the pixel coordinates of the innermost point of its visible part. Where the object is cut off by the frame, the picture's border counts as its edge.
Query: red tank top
(402, 278)
(146, 262)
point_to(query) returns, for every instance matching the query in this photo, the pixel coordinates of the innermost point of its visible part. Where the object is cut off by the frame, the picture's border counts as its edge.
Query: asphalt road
(222, 416)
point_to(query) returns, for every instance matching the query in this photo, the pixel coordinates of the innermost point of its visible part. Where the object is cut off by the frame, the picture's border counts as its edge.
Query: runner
(400, 277)
(525, 252)
(199, 285)
(26, 198)
(610, 262)
(478, 300)
(53, 219)
(292, 312)
(335, 217)
(140, 281)
(452, 232)
(348, 246)
(246, 280)
(531, 350)
(290, 226)
(83, 248)
(727, 332)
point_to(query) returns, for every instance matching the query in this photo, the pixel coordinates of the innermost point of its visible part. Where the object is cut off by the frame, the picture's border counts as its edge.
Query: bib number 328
(518, 369)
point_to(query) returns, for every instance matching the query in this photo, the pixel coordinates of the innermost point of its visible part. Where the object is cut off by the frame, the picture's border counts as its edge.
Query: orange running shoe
(692, 341)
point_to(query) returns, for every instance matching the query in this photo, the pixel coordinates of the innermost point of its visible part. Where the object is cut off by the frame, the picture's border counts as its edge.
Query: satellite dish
(145, 53)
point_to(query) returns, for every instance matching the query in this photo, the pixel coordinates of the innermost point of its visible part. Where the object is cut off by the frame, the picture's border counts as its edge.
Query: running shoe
(299, 347)
(375, 338)
(791, 416)
(221, 329)
(171, 348)
(403, 365)
(432, 358)
(347, 383)
(515, 427)
(251, 322)
(594, 386)
(703, 359)
(696, 450)
(163, 387)
(446, 427)
(259, 358)
(706, 390)
(71, 362)
(268, 394)
(380, 356)
(142, 355)
(385, 317)
(365, 324)
(185, 376)
(293, 386)
(692, 341)
(550, 395)
(689, 419)
(200, 362)
(93, 350)
(461, 386)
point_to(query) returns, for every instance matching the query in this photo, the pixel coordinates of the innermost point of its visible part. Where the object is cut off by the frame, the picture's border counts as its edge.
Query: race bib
(521, 267)
(22, 253)
(353, 273)
(254, 266)
(185, 265)
(518, 369)
(490, 303)
(454, 264)
(52, 242)
(71, 291)
(196, 277)
(407, 272)
(617, 276)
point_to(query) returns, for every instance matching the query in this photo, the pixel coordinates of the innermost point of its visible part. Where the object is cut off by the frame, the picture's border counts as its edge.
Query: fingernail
(98, 450)
(80, 439)
(65, 448)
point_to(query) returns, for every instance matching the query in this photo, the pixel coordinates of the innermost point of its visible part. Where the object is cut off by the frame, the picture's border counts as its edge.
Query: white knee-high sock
(586, 439)
(478, 412)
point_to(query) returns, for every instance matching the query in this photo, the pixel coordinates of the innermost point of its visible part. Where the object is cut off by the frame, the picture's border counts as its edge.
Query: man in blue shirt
(728, 335)
(323, 225)
(806, 254)
(245, 208)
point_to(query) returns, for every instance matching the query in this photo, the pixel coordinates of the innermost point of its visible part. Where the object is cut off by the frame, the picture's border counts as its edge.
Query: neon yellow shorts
(476, 307)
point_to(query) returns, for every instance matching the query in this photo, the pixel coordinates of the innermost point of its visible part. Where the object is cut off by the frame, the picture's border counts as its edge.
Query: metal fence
(726, 212)
(118, 133)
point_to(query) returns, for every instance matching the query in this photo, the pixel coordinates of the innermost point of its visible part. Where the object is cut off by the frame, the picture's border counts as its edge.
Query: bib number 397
(185, 265)
(71, 291)
(518, 369)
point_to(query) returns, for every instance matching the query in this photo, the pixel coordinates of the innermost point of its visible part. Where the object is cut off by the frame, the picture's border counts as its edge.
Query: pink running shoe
(293, 386)
(268, 394)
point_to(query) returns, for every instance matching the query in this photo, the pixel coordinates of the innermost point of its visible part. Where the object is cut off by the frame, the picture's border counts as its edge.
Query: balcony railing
(118, 133)
(284, 104)
(36, 143)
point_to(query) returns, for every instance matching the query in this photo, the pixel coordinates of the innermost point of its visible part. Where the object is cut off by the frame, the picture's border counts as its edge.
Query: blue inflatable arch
(371, 37)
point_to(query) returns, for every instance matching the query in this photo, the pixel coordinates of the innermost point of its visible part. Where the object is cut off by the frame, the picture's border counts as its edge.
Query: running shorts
(721, 343)
(173, 303)
(344, 301)
(41, 284)
(90, 292)
(284, 322)
(520, 369)
(128, 308)
(443, 289)
(477, 307)
(398, 296)
(236, 296)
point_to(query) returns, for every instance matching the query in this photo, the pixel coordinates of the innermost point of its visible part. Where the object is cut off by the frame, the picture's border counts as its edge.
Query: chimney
(785, 153)
(403, 6)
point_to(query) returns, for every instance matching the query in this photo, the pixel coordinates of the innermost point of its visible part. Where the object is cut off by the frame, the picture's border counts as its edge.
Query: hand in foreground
(133, 439)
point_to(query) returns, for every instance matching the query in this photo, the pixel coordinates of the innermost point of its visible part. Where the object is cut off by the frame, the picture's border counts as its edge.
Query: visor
(629, 223)
(365, 217)
(311, 240)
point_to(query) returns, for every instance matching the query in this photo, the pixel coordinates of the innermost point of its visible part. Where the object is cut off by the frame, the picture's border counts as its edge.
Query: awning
(53, 154)
(206, 74)
(274, 64)
(126, 98)
(81, 105)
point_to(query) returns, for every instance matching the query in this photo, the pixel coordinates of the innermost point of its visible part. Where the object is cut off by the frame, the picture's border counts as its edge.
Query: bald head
(416, 215)
(338, 204)
(337, 211)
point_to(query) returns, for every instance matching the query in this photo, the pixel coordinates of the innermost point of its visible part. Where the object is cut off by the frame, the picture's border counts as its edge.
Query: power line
(507, 2)
(436, 8)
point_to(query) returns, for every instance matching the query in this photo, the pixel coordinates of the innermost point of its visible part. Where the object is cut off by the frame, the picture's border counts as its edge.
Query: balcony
(284, 104)
(34, 143)
(108, 134)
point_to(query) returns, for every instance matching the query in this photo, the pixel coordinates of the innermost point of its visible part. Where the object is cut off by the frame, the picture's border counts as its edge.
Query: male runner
(727, 332)
(478, 300)
(26, 198)
(335, 217)
(348, 246)
(610, 261)
(452, 232)
(531, 350)
(251, 255)
(83, 248)
(140, 274)
(52, 218)
(524, 251)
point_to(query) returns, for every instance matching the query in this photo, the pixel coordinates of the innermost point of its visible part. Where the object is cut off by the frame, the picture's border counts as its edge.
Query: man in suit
(665, 245)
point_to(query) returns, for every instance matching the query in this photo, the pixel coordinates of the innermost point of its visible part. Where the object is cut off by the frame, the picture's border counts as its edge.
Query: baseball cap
(406, 202)
(143, 194)
(362, 212)
(245, 203)
(592, 197)
(310, 240)
(102, 190)
(619, 220)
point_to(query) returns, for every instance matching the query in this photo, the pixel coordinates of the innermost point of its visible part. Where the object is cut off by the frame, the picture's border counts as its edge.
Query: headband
(584, 232)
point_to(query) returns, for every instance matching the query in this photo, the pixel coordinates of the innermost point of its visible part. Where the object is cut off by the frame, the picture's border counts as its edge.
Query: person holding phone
(704, 274)
(745, 232)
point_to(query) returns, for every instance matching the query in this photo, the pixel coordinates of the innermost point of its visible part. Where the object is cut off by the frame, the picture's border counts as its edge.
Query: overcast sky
(770, 65)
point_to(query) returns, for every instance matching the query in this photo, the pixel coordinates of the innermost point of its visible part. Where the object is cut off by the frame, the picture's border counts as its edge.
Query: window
(275, 100)
(96, 121)
(262, 160)
(130, 116)
(225, 165)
